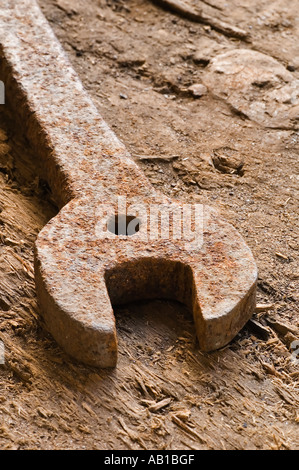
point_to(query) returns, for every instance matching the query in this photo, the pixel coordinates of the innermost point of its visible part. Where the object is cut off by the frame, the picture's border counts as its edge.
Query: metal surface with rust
(79, 273)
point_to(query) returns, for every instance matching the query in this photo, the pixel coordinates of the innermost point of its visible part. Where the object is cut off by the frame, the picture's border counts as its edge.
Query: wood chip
(186, 428)
(44, 413)
(161, 404)
(184, 415)
(270, 369)
(197, 15)
(280, 255)
(259, 329)
(163, 158)
(282, 328)
(264, 307)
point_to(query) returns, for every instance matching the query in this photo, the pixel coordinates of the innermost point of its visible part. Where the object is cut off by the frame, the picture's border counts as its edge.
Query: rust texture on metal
(79, 273)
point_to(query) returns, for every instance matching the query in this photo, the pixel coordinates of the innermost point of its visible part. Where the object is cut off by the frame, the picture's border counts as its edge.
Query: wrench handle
(77, 151)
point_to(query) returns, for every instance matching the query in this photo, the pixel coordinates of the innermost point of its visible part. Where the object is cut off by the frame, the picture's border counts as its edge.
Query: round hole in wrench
(122, 224)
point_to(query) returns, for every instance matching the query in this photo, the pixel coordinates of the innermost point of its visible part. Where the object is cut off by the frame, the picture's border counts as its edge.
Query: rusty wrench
(81, 271)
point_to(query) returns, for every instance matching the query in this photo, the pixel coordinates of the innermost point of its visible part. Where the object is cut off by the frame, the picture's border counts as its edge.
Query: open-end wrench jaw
(80, 274)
